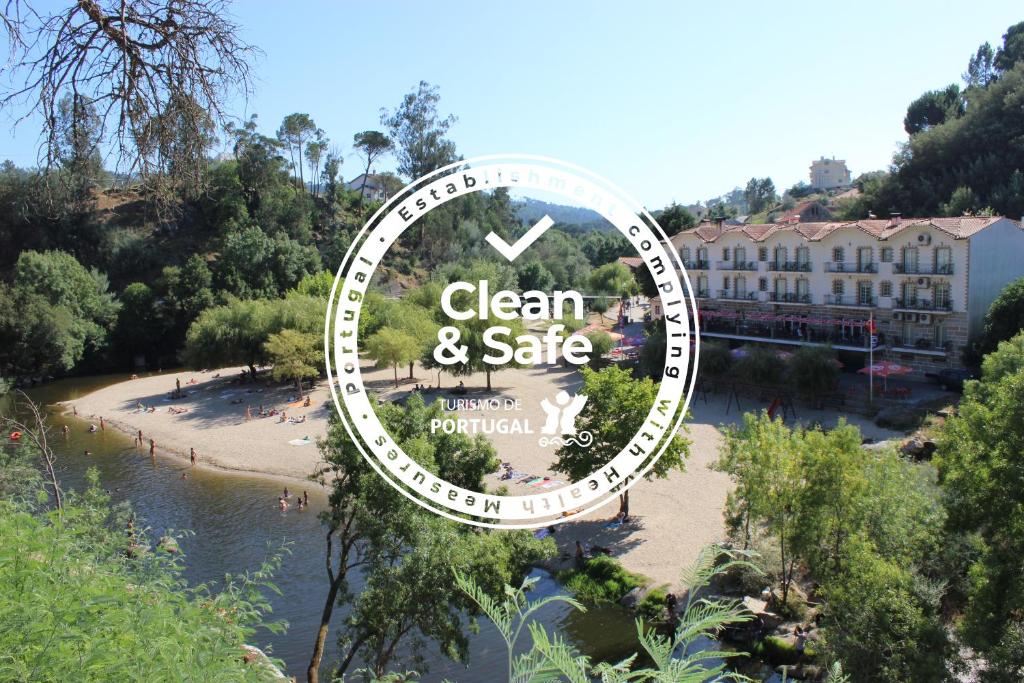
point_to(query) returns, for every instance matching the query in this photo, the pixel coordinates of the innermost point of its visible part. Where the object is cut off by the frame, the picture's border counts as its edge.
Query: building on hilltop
(926, 282)
(806, 212)
(374, 191)
(829, 173)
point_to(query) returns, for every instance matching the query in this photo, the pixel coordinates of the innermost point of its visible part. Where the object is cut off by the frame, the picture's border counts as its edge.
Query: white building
(926, 282)
(374, 189)
(829, 173)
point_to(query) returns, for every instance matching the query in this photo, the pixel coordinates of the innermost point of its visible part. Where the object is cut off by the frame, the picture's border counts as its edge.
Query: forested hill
(531, 210)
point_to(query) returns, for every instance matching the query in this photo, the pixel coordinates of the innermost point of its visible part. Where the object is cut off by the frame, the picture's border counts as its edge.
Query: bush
(652, 607)
(602, 579)
(715, 359)
(814, 370)
(777, 651)
(760, 366)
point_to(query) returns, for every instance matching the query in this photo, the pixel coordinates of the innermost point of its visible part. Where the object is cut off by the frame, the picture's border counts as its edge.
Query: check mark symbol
(513, 251)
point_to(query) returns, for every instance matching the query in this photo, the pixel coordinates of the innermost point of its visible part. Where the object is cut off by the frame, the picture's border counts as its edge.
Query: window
(780, 255)
(838, 255)
(702, 254)
(741, 287)
(762, 284)
(762, 253)
(864, 257)
(803, 288)
(725, 282)
(943, 260)
(838, 287)
(942, 295)
(909, 292)
(910, 259)
(803, 256)
(884, 288)
(938, 336)
(725, 253)
(780, 288)
(887, 254)
(740, 255)
(684, 253)
(702, 285)
(864, 292)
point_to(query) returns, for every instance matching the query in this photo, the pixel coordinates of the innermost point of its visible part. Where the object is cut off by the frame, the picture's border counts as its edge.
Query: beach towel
(301, 442)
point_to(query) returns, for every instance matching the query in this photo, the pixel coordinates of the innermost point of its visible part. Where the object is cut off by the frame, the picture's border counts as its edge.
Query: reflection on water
(237, 525)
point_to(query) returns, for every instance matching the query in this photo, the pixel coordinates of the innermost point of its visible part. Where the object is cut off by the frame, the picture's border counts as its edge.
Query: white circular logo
(356, 406)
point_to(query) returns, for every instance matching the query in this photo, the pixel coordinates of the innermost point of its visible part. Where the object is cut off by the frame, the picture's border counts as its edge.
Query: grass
(601, 579)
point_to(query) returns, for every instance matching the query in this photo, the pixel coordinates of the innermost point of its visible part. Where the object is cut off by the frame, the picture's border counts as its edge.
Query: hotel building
(926, 283)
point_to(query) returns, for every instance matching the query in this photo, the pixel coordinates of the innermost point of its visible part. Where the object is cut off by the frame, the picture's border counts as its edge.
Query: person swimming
(93, 429)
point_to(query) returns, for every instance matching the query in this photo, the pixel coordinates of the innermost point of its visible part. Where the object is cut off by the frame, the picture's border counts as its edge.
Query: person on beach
(305, 498)
(192, 456)
(286, 494)
(103, 425)
(177, 386)
(140, 439)
(152, 448)
(248, 413)
(74, 410)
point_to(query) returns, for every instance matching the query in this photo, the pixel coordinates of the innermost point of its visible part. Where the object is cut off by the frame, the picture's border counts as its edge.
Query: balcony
(701, 294)
(836, 267)
(922, 305)
(919, 269)
(733, 295)
(736, 265)
(790, 266)
(789, 298)
(858, 301)
(691, 264)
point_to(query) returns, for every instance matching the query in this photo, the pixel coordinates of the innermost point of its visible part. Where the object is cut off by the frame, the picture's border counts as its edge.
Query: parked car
(952, 379)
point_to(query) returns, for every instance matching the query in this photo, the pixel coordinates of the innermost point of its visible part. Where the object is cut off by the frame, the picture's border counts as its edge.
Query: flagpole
(871, 358)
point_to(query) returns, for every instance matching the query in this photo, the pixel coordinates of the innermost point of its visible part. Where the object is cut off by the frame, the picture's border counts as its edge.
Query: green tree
(760, 194)
(84, 311)
(934, 108)
(418, 132)
(295, 132)
(814, 371)
(390, 347)
(617, 406)
(1004, 318)
(981, 466)
(883, 622)
(601, 344)
(372, 144)
(139, 324)
(401, 547)
(981, 67)
(295, 356)
(1012, 51)
(676, 218)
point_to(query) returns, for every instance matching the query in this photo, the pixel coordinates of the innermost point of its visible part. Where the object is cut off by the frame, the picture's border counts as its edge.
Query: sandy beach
(672, 518)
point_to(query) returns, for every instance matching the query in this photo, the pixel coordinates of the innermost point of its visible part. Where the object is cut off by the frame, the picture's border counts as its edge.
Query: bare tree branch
(36, 432)
(160, 73)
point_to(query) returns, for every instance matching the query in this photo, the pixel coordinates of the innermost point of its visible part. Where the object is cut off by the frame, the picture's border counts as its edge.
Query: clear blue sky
(671, 101)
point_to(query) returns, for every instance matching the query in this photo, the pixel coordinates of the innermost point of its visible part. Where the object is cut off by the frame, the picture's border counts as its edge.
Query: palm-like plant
(675, 658)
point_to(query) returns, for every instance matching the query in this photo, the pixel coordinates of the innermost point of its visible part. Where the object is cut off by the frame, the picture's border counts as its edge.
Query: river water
(235, 525)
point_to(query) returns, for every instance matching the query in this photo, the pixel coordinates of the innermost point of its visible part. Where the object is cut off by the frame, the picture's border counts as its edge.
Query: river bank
(673, 518)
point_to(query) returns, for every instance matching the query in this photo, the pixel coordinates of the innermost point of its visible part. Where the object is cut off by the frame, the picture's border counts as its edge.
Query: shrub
(715, 359)
(760, 366)
(602, 579)
(652, 606)
(776, 651)
(814, 370)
